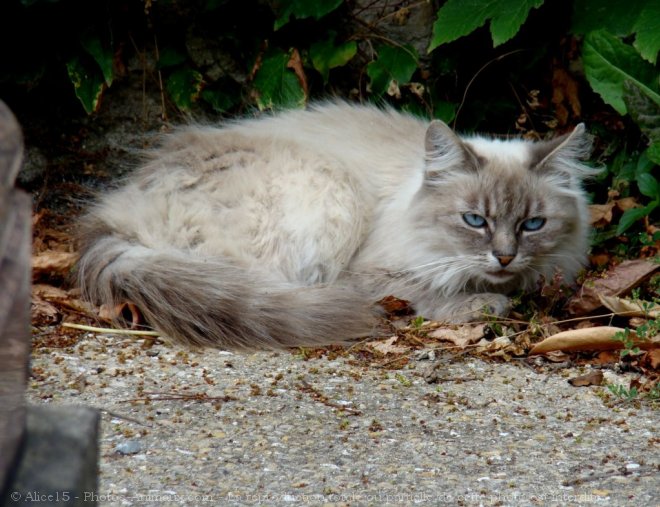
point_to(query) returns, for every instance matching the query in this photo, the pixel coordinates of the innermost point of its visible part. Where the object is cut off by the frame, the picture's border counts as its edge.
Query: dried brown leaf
(502, 346)
(295, 63)
(565, 95)
(630, 308)
(389, 346)
(595, 338)
(601, 214)
(461, 336)
(52, 263)
(42, 311)
(127, 313)
(395, 306)
(60, 298)
(46, 291)
(617, 281)
(595, 378)
(606, 357)
(557, 356)
(627, 203)
(651, 359)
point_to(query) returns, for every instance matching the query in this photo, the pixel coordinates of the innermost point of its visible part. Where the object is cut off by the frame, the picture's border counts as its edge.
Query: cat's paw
(479, 306)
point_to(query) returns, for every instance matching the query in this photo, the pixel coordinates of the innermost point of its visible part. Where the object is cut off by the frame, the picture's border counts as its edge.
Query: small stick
(125, 417)
(134, 332)
(316, 395)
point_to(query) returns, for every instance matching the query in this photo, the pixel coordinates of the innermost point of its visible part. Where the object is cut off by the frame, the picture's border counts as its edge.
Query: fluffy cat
(284, 230)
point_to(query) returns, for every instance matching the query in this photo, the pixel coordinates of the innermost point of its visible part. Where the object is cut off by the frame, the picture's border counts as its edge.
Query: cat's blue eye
(474, 220)
(533, 224)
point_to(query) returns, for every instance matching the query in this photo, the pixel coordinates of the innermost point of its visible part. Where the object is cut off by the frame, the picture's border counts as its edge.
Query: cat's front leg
(466, 307)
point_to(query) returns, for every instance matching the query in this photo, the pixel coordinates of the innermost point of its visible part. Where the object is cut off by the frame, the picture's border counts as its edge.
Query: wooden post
(15, 246)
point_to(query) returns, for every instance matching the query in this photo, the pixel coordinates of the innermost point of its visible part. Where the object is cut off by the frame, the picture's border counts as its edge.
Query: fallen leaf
(595, 378)
(557, 356)
(295, 63)
(617, 281)
(48, 291)
(601, 214)
(651, 359)
(606, 357)
(60, 297)
(564, 95)
(461, 336)
(42, 311)
(499, 347)
(395, 306)
(388, 346)
(630, 308)
(595, 338)
(127, 312)
(52, 263)
(627, 203)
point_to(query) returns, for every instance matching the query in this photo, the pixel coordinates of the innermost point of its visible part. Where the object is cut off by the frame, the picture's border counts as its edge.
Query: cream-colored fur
(282, 231)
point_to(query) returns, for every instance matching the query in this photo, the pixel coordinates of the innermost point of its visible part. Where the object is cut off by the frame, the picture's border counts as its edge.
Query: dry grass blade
(110, 330)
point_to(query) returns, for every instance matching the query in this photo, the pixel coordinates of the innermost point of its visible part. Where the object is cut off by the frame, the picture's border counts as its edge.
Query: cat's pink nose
(504, 260)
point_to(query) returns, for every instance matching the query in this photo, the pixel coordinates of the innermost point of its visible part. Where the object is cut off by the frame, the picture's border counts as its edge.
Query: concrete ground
(214, 428)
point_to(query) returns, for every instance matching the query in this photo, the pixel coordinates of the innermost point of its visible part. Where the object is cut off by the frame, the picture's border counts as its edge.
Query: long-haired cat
(284, 230)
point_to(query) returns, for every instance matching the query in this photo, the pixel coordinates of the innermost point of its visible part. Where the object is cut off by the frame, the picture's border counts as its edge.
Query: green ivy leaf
(445, 111)
(647, 29)
(170, 57)
(457, 18)
(301, 9)
(617, 17)
(276, 85)
(648, 186)
(393, 64)
(326, 55)
(653, 152)
(643, 109)
(102, 55)
(640, 17)
(631, 216)
(88, 83)
(184, 86)
(608, 62)
(220, 102)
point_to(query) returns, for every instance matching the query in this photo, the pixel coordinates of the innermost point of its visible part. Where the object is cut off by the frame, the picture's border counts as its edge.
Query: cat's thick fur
(284, 230)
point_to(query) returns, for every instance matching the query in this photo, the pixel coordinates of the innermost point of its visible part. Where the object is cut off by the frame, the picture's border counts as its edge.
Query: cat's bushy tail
(211, 302)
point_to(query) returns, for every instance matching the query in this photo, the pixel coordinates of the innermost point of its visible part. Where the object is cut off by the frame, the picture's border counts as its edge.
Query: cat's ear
(561, 156)
(446, 151)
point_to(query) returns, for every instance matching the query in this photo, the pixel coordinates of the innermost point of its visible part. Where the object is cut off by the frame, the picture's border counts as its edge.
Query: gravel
(208, 427)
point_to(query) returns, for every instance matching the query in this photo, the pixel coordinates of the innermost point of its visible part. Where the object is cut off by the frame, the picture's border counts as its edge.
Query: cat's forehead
(506, 189)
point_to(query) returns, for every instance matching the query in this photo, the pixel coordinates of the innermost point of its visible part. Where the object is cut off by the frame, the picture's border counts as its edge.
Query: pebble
(129, 447)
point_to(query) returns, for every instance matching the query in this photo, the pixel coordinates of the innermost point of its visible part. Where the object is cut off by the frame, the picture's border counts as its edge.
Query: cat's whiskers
(412, 271)
(451, 281)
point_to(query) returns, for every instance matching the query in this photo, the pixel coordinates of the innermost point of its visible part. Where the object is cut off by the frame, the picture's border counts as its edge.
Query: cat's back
(357, 136)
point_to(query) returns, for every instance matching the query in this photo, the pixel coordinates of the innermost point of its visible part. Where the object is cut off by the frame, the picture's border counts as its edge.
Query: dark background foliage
(76, 72)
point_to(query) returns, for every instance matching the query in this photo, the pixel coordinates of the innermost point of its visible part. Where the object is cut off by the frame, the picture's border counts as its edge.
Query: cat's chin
(500, 277)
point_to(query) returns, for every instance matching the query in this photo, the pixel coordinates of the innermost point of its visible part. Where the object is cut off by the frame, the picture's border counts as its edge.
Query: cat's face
(507, 225)
(508, 211)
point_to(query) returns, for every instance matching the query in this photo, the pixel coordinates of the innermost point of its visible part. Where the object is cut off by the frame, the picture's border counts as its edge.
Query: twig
(619, 472)
(125, 417)
(469, 85)
(157, 396)
(134, 332)
(305, 387)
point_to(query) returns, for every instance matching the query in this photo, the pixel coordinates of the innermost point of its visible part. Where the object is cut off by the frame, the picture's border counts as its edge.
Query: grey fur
(284, 231)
